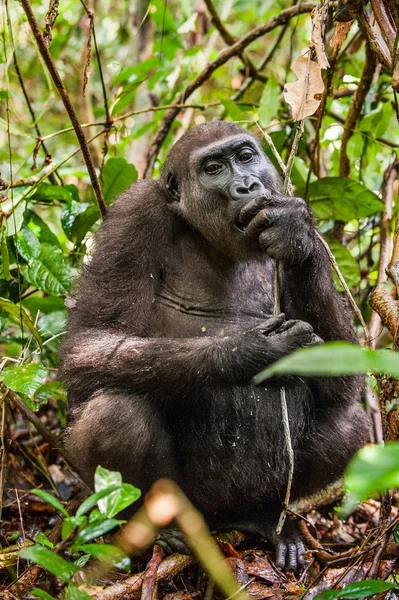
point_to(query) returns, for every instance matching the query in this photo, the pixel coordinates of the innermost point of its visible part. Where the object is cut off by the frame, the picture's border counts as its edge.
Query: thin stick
(67, 103)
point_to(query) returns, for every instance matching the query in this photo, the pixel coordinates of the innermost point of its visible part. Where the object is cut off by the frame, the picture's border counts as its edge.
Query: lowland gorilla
(173, 318)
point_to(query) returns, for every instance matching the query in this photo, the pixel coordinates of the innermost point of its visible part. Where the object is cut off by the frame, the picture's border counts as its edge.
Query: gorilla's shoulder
(141, 198)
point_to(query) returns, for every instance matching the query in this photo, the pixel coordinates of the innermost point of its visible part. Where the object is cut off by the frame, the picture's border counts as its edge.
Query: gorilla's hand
(283, 226)
(273, 339)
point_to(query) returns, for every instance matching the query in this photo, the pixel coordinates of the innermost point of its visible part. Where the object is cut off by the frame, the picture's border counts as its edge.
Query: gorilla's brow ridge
(218, 148)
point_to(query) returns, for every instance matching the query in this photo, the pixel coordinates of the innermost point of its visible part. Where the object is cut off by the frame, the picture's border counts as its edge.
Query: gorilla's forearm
(99, 358)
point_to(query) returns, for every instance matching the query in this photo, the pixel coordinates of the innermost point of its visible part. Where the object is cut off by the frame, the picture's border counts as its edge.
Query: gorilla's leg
(121, 432)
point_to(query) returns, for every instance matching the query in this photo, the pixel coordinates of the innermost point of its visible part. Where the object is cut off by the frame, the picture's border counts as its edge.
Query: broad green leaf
(381, 464)
(69, 214)
(124, 495)
(94, 498)
(24, 379)
(233, 110)
(46, 193)
(38, 593)
(27, 243)
(71, 523)
(95, 530)
(41, 230)
(84, 222)
(49, 272)
(50, 561)
(51, 500)
(360, 589)
(346, 262)
(342, 199)
(109, 554)
(333, 358)
(17, 313)
(118, 176)
(270, 101)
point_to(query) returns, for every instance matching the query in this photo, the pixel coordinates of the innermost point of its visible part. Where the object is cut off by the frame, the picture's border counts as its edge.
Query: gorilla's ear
(173, 188)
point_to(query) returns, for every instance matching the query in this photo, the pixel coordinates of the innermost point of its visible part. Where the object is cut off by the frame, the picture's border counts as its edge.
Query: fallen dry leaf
(340, 32)
(317, 39)
(304, 95)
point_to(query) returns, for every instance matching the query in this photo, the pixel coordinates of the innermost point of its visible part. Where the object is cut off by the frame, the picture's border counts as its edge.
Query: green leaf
(49, 272)
(27, 243)
(5, 259)
(381, 463)
(93, 499)
(233, 110)
(342, 199)
(43, 540)
(109, 554)
(71, 523)
(24, 379)
(46, 193)
(51, 500)
(38, 593)
(360, 589)
(95, 530)
(84, 222)
(270, 101)
(346, 262)
(115, 502)
(17, 313)
(333, 358)
(50, 561)
(74, 593)
(41, 230)
(118, 176)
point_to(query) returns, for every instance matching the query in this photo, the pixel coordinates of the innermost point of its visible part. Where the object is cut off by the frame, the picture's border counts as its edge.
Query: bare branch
(67, 103)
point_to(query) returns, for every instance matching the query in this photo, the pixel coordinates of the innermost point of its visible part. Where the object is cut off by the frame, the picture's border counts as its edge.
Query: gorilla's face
(223, 177)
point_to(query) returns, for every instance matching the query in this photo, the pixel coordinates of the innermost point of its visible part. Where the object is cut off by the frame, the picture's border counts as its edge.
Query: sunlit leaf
(109, 554)
(343, 199)
(333, 358)
(123, 496)
(118, 176)
(270, 101)
(360, 589)
(49, 271)
(18, 314)
(381, 463)
(50, 561)
(24, 379)
(51, 500)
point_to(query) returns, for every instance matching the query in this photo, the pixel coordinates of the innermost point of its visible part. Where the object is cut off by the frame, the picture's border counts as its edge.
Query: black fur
(173, 317)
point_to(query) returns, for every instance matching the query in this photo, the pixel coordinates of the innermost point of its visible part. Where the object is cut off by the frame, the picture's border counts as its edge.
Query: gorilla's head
(211, 173)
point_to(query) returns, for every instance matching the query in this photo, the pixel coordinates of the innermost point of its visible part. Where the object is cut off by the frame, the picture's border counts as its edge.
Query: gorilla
(173, 317)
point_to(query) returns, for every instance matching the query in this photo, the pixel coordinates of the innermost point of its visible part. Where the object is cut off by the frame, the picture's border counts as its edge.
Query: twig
(236, 48)
(230, 40)
(355, 109)
(277, 309)
(67, 103)
(149, 588)
(42, 429)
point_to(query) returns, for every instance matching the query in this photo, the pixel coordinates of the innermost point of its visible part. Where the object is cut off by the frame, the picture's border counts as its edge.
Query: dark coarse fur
(173, 317)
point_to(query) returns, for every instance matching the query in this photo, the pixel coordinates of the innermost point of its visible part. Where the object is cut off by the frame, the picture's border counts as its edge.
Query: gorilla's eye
(245, 156)
(212, 167)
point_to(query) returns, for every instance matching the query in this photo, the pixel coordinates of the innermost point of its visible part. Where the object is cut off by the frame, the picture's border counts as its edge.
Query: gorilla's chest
(200, 297)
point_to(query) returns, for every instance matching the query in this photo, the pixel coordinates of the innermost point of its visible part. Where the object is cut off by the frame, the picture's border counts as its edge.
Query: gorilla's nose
(247, 188)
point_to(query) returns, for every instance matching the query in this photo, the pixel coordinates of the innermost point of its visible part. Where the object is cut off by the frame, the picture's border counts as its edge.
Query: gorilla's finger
(281, 553)
(264, 219)
(253, 207)
(291, 561)
(272, 324)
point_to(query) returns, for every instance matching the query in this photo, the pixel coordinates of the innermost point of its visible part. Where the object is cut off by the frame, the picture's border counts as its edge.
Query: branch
(234, 50)
(355, 109)
(67, 103)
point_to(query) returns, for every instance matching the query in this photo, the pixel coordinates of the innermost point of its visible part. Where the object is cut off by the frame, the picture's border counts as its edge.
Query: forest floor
(338, 552)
